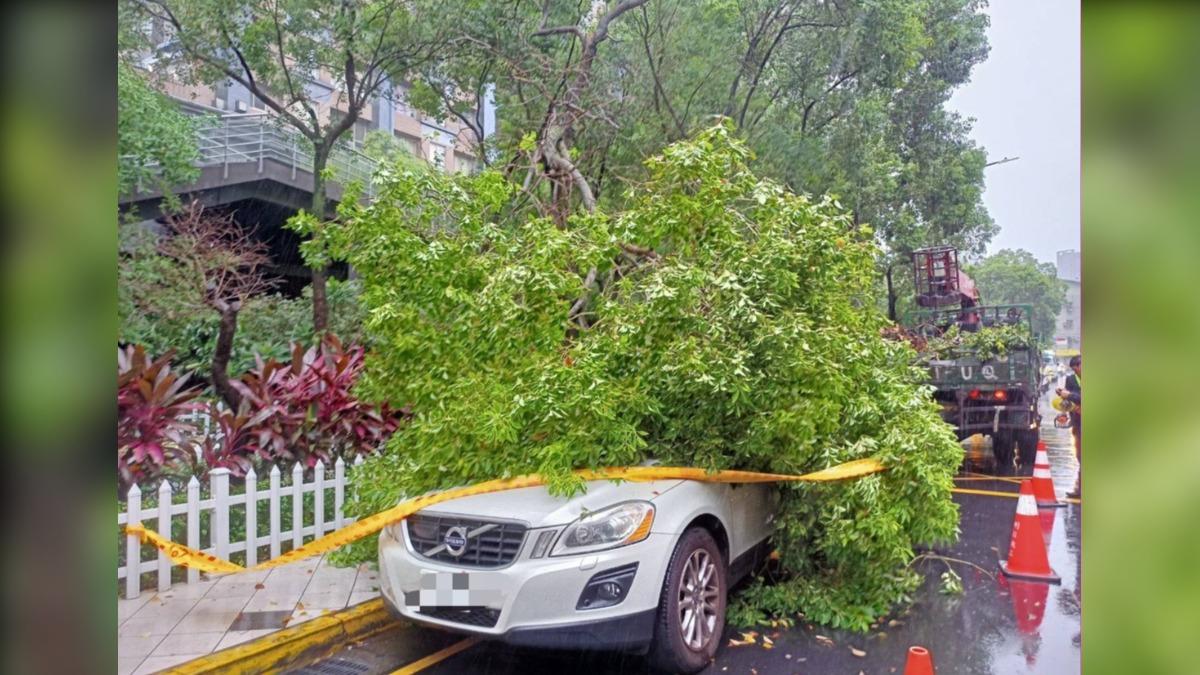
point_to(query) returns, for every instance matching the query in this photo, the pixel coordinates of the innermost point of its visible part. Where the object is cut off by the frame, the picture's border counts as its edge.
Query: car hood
(537, 507)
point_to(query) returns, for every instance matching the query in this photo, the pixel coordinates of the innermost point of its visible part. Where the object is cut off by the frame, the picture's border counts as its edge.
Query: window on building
(464, 163)
(437, 155)
(361, 127)
(221, 95)
(410, 143)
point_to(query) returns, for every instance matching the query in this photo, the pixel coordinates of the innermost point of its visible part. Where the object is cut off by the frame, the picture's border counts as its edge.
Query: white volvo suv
(644, 567)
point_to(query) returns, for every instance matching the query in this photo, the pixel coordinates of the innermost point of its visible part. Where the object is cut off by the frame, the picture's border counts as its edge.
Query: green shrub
(731, 324)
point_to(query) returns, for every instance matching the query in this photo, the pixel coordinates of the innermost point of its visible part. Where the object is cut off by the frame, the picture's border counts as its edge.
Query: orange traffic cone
(1029, 604)
(920, 662)
(1027, 549)
(1043, 486)
(1047, 516)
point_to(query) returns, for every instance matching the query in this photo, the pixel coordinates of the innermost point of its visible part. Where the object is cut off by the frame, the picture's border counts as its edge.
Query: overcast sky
(1025, 101)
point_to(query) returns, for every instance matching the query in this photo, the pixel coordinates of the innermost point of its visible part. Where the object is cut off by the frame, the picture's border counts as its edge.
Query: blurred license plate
(443, 589)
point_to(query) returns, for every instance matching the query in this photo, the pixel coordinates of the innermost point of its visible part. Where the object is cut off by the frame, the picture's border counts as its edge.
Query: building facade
(446, 144)
(1068, 328)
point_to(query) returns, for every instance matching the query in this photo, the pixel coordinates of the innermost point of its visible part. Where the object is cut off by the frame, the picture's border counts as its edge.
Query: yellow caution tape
(190, 557)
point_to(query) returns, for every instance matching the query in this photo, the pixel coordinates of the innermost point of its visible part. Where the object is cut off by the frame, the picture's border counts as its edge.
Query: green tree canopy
(722, 322)
(844, 98)
(156, 143)
(1014, 276)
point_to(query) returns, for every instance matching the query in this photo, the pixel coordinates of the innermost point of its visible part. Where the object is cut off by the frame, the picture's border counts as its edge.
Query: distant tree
(221, 267)
(1015, 277)
(277, 49)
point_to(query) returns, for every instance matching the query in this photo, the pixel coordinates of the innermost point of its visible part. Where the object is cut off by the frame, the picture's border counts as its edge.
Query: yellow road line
(993, 493)
(995, 478)
(437, 657)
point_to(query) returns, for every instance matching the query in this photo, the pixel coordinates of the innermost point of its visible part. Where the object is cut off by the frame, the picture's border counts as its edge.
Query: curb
(296, 646)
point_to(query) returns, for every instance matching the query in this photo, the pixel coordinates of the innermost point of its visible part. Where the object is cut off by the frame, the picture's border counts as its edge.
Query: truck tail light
(1000, 395)
(974, 394)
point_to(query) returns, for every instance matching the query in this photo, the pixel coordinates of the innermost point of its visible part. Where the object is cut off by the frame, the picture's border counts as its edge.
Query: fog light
(607, 588)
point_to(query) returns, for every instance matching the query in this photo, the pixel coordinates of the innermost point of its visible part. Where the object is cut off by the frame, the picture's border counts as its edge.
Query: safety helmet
(1062, 405)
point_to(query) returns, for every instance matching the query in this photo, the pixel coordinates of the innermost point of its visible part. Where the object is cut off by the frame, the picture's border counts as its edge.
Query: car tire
(678, 648)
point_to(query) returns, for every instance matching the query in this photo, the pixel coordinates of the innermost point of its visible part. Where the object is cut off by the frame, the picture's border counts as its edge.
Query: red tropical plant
(152, 404)
(232, 446)
(305, 410)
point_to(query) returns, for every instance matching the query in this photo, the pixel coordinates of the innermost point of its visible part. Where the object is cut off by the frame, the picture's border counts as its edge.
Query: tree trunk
(320, 304)
(220, 362)
(891, 294)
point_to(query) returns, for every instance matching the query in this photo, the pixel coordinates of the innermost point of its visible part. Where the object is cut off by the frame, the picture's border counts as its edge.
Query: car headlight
(619, 525)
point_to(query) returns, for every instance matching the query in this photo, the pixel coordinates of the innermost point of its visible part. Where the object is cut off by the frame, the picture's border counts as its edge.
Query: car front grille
(495, 547)
(484, 617)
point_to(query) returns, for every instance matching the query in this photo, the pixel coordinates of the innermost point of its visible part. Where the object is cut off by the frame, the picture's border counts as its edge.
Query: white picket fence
(159, 518)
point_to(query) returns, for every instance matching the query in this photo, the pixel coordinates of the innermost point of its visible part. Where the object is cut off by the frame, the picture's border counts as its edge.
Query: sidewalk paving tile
(286, 584)
(367, 581)
(184, 591)
(160, 630)
(145, 627)
(211, 614)
(301, 615)
(157, 663)
(335, 599)
(127, 608)
(134, 646)
(361, 597)
(167, 610)
(187, 643)
(237, 637)
(267, 600)
(239, 582)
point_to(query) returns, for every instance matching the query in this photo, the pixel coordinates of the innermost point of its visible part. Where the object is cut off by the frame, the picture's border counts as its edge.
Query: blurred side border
(59, 172)
(1141, 314)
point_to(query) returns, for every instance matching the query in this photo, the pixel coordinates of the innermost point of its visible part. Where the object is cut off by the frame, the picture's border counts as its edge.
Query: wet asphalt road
(995, 626)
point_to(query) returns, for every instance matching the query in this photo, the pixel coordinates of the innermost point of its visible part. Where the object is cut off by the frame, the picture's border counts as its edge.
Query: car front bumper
(531, 601)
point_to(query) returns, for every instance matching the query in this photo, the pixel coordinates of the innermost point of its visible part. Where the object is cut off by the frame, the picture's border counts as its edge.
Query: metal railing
(256, 138)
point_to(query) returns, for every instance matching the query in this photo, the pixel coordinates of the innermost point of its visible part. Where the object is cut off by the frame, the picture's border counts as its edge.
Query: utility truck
(982, 359)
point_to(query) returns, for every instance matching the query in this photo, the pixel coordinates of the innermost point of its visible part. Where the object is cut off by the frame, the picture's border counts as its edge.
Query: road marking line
(437, 657)
(995, 478)
(993, 493)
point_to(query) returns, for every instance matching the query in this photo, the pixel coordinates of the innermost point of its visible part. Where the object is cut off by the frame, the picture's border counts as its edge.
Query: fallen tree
(720, 321)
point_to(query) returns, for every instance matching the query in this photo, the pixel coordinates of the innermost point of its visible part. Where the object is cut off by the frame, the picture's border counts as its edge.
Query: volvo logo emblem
(455, 541)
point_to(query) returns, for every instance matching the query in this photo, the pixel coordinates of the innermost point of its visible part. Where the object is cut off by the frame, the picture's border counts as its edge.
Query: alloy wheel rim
(699, 591)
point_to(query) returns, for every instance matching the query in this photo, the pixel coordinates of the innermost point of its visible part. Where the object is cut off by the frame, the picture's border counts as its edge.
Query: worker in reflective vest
(1073, 391)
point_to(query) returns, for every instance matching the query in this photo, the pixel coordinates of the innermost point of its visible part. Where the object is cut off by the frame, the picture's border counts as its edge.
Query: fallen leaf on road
(747, 639)
(857, 652)
(895, 622)
(768, 643)
(300, 605)
(824, 641)
(259, 586)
